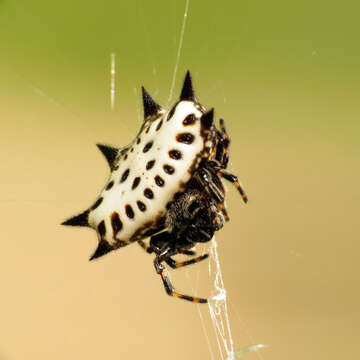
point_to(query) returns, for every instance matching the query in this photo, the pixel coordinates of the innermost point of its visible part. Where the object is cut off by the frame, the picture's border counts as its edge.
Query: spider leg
(172, 263)
(235, 180)
(175, 265)
(204, 177)
(224, 211)
(160, 241)
(196, 234)
(225, 140)
(214, 167)
(171, 291)
(165, 254)
(157, 241)
(219, 151)
(205, 180)
(145, 246)
(187, 252)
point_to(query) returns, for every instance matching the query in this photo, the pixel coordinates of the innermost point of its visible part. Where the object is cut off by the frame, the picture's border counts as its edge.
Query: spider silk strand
(179, 50)
(218, 307)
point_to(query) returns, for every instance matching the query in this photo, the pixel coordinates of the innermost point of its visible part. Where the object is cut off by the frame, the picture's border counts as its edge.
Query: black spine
(110, 154)
(103, 248)
(78, 220)
(208, 119)
(187, 92)
(150, 106)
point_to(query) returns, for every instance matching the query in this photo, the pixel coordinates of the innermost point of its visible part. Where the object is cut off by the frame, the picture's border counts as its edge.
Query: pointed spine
(78, 220)
(150, 106)
(187, 92)
(103, 248)
(110, 154)
(207, 119)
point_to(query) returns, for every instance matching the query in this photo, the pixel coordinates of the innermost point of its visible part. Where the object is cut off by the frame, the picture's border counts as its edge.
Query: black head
(194, 217)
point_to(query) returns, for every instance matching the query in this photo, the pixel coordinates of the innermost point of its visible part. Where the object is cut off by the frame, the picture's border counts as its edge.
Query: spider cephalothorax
(194, 217)
(165, 184)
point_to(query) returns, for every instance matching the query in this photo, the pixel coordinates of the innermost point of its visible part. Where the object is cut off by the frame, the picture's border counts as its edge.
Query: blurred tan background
(284, 75)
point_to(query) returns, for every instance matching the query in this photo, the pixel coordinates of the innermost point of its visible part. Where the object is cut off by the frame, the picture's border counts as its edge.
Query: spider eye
(193, 206)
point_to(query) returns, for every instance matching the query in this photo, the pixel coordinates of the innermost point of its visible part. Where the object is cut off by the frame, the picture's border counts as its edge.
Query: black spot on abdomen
(129, 211)
(136, 182)
(175, 154)
(109, 185)
(159, 125)
(171, 112)
(185, 138)
(97, 203)
(150, 164)
(124, 175)
(116, 223)
(148, 193)
(148, 146)
(102, 228)
(141, 206)
(168, 169)
(159, 181)
(189, 120)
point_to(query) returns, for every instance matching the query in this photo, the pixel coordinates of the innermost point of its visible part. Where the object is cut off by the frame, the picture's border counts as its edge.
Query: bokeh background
(284, 75)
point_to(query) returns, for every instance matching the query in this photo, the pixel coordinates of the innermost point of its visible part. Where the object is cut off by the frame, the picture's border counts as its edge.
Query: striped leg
(233, 179)
(171, 291)
(175, 265)
(172, 263)
(224, 211)
(205, 179)
(145, 246)
(214, 167)
(160, 269)
(187, 252)
(225, 144)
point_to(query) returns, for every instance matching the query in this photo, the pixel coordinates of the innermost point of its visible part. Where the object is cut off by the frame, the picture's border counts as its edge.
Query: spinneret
(188, 157)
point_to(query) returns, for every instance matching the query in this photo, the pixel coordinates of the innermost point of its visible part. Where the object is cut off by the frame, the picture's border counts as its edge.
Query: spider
(166, 185)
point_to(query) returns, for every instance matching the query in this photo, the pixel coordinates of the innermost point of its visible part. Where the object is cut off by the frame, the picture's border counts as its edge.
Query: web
(217, 304)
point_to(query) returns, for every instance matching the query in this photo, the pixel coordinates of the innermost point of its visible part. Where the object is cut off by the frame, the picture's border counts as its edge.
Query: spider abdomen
(151, 171)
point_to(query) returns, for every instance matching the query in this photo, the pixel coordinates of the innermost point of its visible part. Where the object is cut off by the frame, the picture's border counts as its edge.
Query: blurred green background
(284, 75)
